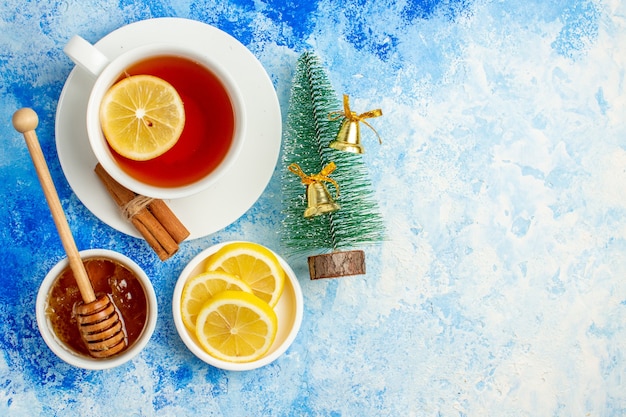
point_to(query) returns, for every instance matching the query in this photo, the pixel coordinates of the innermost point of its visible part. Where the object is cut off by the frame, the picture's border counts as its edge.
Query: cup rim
(98, 142)
(66, 354)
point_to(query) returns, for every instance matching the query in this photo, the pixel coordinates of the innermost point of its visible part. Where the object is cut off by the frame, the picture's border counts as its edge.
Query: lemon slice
(199, 289)
(142, 117)
(255, 265)
(236, 326)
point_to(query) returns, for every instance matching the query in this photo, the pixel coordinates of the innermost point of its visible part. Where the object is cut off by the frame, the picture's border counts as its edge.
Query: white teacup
(107, 71)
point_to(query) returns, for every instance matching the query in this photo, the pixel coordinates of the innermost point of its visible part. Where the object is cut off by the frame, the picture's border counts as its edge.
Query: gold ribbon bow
(322, 176)
(353, 117)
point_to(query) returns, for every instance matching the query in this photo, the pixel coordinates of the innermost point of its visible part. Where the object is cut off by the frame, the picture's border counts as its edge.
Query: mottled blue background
(500, 290)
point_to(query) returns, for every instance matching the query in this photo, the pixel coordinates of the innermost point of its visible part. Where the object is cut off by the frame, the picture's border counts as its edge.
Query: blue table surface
(500, 289)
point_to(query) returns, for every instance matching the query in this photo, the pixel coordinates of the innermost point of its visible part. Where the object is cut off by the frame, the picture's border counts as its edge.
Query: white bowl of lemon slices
(237, 306)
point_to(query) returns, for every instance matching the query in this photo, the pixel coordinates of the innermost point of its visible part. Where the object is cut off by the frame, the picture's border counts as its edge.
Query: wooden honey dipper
(100, 326)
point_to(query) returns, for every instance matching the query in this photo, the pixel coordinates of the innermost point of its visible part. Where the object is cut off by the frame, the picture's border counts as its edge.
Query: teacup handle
(86, 55)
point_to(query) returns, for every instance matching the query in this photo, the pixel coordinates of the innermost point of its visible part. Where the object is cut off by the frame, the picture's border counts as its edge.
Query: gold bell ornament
(319, 200)
(349, 136)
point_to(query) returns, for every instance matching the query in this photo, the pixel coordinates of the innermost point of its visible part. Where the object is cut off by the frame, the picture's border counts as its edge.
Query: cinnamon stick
(156, 236)
(154, 229)
(168, 219)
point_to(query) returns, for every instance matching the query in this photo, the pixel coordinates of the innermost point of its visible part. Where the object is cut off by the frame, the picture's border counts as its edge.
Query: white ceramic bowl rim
(70, 356)
(98, 142)
(279, 347)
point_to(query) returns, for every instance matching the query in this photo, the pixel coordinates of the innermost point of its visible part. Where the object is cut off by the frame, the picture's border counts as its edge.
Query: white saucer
(222, 204)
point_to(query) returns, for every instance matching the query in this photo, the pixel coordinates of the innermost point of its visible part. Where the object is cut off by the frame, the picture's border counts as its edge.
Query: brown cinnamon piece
(168, 219)
(162, 230)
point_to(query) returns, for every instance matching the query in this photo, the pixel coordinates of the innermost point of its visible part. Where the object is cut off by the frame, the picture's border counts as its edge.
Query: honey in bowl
(107, 277)
(209, 124)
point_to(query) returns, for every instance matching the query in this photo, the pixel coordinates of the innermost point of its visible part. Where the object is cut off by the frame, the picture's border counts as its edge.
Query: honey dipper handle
(25, 121)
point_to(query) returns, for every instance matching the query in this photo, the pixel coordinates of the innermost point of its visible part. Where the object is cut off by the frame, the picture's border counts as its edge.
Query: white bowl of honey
(111, 273)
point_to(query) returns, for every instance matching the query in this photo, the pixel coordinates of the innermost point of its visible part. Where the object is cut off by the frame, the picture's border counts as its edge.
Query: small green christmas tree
(308, 132)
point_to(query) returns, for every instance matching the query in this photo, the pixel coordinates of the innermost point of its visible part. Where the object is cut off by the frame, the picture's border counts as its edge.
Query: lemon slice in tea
(142, 117)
